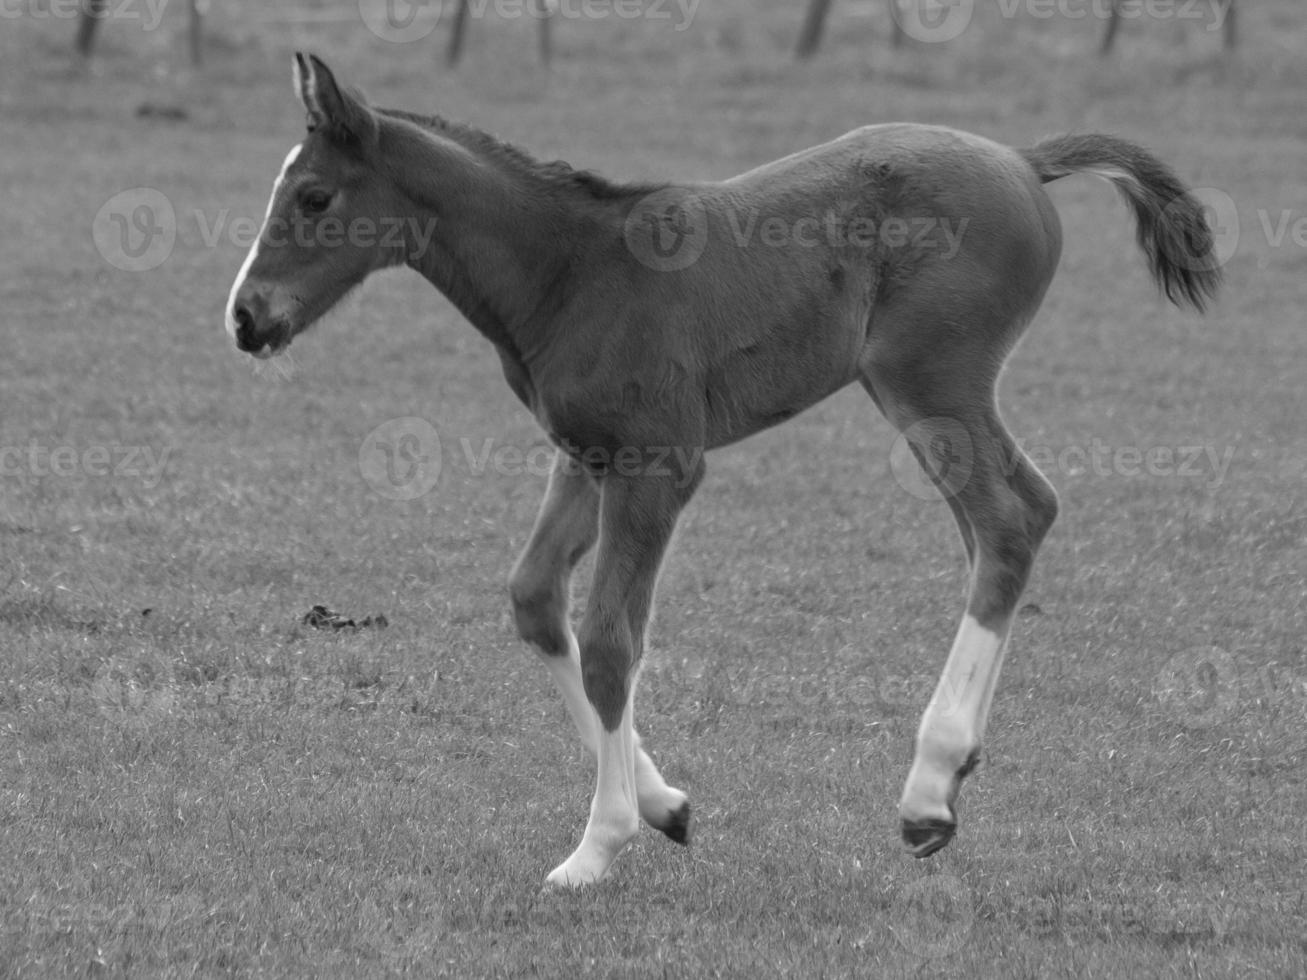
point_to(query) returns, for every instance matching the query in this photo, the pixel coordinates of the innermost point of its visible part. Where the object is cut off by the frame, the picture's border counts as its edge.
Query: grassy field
(193, 782)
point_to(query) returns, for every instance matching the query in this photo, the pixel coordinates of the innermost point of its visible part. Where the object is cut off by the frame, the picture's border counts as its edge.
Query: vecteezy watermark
(144, 463)
(137, 230)
(1276, 229)
(680, 464)
(148, 13)
(932, 458)
(933, 916)
(935, 21)
(1198, 688)
(834, 230)
(1188, 462)
(1205, 686)
(56, 915)
(119, 690)
(669, 230)
(507, 460)
(1212, 11)
(401, 459)
(935, 457)
(1221, 213)
(865, 695)
(404, 21)
(401, 21)
(127, 690)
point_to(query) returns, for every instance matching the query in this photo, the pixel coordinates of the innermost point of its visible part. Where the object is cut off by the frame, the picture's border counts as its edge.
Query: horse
(644, 324)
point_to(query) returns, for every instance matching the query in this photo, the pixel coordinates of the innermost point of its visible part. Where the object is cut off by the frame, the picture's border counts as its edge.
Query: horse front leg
(540, 587)
(638, 516)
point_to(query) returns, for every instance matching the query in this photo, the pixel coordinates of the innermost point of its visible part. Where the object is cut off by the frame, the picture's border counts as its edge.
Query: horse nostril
(244, 328)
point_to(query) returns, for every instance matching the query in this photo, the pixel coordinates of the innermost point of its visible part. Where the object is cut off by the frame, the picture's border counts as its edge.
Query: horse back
(795, 262)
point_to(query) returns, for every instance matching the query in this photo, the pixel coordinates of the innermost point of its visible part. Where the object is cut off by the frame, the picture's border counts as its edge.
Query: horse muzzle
(254, 328)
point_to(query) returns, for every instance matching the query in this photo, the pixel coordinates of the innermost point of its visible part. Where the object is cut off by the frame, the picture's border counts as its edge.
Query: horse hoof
(925, 837)
(677, 826)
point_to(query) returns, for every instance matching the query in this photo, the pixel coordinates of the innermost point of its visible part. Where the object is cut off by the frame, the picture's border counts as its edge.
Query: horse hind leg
(930, 468)
(540, 586)
(1008, 505)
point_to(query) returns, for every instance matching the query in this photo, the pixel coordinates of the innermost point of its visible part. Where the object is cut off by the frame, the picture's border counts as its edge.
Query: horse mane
(557, 174)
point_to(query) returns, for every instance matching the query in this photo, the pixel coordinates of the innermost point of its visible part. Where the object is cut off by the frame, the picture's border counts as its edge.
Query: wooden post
(196, 32)
(92, 14)
(1113, 24)
(546, 28)
(900, 35)
(456, 32)
(814, 26)
(814, 23)
(1231, 33)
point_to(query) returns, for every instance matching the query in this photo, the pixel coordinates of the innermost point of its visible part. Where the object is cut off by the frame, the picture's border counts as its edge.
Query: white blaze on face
(254, 249)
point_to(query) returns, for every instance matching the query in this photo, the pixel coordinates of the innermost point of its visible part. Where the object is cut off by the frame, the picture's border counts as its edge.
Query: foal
(643, 325)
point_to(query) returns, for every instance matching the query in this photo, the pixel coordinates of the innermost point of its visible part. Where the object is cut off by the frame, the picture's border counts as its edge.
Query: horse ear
(306, 89)
(344, 113)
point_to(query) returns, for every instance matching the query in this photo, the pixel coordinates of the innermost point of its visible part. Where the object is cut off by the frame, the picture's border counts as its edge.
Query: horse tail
(1172, 228)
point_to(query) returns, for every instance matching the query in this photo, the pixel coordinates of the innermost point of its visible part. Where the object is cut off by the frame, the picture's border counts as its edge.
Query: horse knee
(539, 612)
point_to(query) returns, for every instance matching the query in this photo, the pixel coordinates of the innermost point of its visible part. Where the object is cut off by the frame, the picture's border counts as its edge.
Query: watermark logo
(947, 457)
(120, 689)
(401, 21)
(1222, 216)
(1198, 688)
(36, 459)
(667, 231)
(936, 21)
(136, 229)
(933, 21)
(1211, 464)
(1213, 11)
(945, 463)
(401, 459)
(933, 916)
(149, 13)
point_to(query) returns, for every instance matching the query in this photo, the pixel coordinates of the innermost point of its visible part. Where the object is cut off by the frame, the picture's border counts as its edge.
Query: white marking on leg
(657, 801)
(660, 804)
(254, 248)
(614, 813)
(566, 672)
(954, 722)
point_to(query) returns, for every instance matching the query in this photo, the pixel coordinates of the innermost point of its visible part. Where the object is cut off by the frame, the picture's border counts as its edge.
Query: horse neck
(484, 235)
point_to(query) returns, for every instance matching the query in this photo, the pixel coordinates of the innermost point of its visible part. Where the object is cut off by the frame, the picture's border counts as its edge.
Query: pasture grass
(193, 782)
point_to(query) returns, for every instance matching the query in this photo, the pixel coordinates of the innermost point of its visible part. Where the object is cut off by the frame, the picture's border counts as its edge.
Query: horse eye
(315, 202)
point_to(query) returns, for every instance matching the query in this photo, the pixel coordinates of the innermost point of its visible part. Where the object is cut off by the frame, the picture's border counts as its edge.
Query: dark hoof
(925, 837)
(677, 826)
